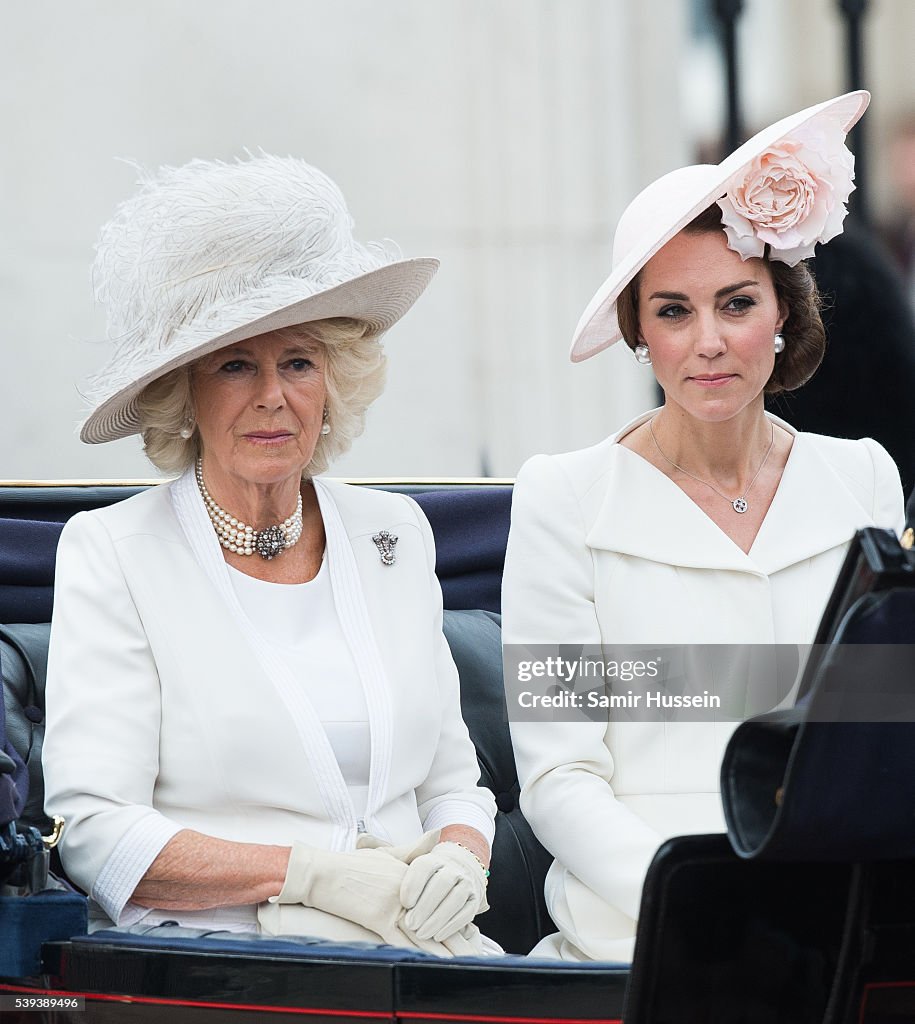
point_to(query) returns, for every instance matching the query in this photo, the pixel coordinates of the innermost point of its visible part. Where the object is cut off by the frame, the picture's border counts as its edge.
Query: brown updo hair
(805, 337)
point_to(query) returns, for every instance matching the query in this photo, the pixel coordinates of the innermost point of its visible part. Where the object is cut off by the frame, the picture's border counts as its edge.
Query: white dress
(605, 549)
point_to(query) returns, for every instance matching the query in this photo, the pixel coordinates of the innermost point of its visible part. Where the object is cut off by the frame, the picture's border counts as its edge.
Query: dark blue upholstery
(201, 940)
(26, 922)
(27, 553)
(297, 946)
(471, 531)
(470, 528)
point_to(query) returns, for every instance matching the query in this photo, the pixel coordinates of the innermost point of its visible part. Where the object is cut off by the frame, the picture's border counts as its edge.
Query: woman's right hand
(363, 887)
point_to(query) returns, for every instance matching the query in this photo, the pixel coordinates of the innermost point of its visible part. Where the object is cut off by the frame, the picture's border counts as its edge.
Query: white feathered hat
(212, 253)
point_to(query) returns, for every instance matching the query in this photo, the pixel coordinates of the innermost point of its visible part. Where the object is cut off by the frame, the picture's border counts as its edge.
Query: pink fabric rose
(792, 195)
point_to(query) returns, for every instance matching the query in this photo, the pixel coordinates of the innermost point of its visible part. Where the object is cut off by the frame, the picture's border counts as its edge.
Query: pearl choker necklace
(236, 536)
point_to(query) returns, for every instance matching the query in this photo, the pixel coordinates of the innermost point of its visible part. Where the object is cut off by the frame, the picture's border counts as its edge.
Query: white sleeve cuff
(131, 914)
(128, 863)
(460, 812)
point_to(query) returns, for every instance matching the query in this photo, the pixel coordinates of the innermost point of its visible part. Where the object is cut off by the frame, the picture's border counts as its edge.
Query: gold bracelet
(483, 867)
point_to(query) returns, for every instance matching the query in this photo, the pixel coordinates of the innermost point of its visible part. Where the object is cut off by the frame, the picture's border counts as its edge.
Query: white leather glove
(406, 853)
(466, 942)
(363, 887)
(442, 891)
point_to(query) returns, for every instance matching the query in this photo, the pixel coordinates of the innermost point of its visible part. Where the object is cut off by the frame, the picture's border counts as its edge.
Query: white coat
(606, 549)
(166, 710)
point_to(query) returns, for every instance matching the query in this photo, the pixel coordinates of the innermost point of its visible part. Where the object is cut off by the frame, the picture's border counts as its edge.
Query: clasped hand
(443, 889)
(425, 895)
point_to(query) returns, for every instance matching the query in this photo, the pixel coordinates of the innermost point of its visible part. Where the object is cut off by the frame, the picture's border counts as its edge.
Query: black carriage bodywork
(722, 937)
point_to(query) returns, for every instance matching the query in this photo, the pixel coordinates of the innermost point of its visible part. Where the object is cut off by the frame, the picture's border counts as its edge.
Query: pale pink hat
(786, 188)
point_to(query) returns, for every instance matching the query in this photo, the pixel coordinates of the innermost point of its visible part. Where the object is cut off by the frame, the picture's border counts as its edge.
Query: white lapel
(813, 510)
(645, 514)
(357, 628)
(191, 514)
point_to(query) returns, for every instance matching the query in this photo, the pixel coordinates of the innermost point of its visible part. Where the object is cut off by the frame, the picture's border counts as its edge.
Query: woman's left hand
(443, 891)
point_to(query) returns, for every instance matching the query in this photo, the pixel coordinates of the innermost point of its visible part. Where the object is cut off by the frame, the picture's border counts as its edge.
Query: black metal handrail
(727, 14)
(854, 13)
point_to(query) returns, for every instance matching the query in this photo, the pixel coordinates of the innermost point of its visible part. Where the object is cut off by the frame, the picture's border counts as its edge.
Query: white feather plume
(208, 247)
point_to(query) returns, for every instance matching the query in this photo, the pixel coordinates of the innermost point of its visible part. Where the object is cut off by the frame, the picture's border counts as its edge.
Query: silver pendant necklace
(236, 536)
(739, 504)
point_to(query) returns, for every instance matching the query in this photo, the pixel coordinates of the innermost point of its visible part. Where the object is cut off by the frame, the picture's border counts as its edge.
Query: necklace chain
(739, 504)
(238, 537)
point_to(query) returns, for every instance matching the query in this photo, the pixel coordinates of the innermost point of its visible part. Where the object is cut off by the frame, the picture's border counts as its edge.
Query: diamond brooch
(386, 543)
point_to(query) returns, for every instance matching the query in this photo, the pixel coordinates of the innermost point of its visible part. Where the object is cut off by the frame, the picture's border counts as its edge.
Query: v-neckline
(774, 420)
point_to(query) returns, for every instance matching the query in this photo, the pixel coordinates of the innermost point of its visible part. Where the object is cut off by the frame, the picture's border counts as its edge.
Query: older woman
(247, 672)
(706, 521)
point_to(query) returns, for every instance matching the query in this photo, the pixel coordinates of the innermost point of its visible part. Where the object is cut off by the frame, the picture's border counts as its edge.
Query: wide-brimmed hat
(211, 254)
(785, 188)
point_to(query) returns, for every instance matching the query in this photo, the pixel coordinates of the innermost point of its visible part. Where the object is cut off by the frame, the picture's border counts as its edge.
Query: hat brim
(378, 299)
(598, 327)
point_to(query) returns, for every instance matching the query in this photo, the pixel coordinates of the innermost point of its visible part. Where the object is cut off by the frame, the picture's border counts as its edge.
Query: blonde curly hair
(354, 375)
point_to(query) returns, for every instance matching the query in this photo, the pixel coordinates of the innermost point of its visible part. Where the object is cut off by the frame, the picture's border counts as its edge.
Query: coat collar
(646, 515)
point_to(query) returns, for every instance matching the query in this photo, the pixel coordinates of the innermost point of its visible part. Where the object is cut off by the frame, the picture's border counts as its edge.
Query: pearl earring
(187, 431)
(642, 354)
(779, 343)
(325, 426)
